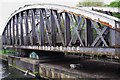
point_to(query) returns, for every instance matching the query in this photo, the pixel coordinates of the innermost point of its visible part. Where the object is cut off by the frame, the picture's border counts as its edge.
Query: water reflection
(10, 73)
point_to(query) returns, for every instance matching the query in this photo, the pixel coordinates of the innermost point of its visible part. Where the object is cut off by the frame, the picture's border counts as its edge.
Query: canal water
(10, 73)
(91, 69)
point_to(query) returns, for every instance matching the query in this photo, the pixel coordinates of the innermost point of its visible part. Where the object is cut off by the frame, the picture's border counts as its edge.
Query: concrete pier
(24, 64)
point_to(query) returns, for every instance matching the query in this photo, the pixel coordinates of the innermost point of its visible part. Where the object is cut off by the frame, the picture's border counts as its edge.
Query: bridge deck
(100, 51)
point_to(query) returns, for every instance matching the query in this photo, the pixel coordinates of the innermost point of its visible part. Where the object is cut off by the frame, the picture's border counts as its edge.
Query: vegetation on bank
(116, 15)
(89, 3)
(7, 51)
(100, 3)
(115, 3)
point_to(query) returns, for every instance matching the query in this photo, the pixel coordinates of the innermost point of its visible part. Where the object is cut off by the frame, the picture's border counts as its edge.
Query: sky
(9, 6)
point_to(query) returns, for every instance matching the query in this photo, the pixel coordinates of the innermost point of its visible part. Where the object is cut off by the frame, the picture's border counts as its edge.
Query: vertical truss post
(17, 33)
(4, 37)
(114, 38)
(7, 31)
(67, 29)
(33, 28)
(47, 27)
(10, 33)
(21, 29)
(42, 41)
(88, 33)
(58, 23)
(13, 30)
(26, 28)
(53, 28)
(78, 30)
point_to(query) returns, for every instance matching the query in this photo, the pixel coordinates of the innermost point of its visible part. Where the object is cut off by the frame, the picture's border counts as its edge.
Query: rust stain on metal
(76, 14)
(105, 23)
(71, 12)
(87, 17)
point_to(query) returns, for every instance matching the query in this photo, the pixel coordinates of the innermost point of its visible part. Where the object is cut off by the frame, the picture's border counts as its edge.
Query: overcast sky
(9, 6)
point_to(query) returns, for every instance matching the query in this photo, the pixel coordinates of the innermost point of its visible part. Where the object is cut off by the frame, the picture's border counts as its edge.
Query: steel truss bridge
(58, 28)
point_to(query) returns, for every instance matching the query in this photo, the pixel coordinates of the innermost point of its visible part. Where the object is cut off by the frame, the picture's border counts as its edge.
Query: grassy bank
(7, 51)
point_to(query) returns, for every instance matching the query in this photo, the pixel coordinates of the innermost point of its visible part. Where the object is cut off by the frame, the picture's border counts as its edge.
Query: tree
(115, 3)
(89, 3)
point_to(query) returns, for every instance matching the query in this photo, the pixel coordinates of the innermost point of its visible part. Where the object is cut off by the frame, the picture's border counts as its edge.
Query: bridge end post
(114, 38)
(115, 42)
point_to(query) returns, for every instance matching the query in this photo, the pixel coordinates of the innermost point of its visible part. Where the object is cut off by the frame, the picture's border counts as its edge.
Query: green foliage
(115, 3)
(90, 3)
(6, 51)
(116, 15)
